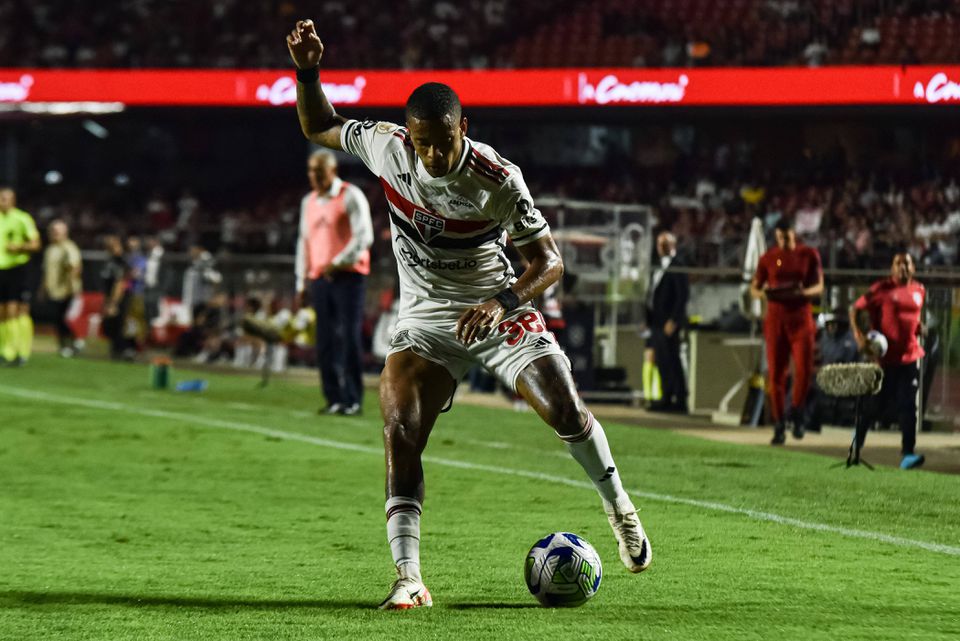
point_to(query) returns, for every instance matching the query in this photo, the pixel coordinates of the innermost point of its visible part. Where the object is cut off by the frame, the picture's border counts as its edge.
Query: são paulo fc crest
(428, 226)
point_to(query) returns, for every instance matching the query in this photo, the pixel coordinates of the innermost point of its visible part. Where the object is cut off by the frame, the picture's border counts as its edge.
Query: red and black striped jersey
(449, 233)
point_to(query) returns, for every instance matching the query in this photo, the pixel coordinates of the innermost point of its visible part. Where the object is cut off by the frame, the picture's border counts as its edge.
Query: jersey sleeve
(760, 276)
(371, 141)
(30, 231)
(814, 268)
(516, 213)
(864, 301)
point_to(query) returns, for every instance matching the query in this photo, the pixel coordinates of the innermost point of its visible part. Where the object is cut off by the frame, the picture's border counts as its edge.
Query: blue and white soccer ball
(562, 570)
(877, 342)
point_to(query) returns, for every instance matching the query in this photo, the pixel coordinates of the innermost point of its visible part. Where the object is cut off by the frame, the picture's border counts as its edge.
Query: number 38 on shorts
(527, 323)
(517, 341)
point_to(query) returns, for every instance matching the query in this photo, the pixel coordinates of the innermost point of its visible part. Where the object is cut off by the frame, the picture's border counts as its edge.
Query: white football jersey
(449, 233)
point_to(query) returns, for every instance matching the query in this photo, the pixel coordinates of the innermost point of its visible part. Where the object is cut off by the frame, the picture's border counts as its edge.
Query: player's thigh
(413, 391)
(547, 385)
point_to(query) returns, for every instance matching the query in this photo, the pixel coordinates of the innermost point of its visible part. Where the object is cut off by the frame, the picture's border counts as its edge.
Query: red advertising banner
(498, 88)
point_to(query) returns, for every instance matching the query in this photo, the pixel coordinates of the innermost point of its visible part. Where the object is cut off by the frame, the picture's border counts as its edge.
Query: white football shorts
(520, 338)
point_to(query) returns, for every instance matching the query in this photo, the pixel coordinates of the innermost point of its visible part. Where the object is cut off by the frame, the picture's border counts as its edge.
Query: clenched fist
(304, 45)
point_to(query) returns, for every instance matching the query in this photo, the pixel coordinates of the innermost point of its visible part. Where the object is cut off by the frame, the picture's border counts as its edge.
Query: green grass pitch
(237, 513)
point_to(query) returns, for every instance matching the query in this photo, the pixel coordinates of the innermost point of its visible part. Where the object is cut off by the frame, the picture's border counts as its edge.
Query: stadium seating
(484, 33)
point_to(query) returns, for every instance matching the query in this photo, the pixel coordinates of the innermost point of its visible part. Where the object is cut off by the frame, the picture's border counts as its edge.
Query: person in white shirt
(333, 261)
(452, 202)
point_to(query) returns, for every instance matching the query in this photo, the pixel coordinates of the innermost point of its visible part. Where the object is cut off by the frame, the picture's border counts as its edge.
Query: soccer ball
(877, 342)
(562, 570)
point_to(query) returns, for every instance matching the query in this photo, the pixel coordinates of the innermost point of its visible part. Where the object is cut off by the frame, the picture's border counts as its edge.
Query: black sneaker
(779, 434)
(798, 429)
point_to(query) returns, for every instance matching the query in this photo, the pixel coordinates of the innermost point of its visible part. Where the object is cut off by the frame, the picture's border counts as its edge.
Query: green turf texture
(134, 520)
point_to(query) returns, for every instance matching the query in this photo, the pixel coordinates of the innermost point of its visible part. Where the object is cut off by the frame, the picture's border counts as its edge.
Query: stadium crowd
(482, 33)
(855, 223)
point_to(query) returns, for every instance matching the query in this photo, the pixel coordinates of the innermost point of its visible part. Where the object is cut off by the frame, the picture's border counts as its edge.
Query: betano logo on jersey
(413, 259)
(428, 226)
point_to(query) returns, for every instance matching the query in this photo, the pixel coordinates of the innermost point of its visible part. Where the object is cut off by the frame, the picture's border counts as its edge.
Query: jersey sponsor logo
(459, 202)
(405, 177)
(412, 259)
(917, 298)
(428, 226)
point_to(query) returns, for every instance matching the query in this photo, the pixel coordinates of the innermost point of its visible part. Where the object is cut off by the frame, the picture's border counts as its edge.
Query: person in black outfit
(667, 299)
(115, 276)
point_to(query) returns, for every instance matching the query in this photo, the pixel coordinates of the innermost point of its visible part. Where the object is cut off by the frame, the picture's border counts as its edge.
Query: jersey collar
(427, 179)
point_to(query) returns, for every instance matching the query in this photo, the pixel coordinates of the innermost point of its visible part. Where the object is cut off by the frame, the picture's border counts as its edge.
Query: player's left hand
(477, 322)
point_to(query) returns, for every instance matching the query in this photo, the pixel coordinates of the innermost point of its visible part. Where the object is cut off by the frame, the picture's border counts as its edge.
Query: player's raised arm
(318, 119)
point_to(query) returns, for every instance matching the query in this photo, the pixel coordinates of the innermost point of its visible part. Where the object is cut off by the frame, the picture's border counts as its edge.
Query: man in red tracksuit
(895, 305)
(788, 276)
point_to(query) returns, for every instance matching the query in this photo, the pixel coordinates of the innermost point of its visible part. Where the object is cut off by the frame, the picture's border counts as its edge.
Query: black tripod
(859, 435)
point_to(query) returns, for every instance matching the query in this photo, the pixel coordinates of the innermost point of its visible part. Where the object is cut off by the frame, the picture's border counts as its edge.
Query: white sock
(403, 533)
(592, 452)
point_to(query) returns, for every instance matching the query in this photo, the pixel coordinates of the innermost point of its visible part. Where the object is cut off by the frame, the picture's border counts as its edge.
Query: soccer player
(18, 239)
(788, 276)
(452, 201)
(333, 259)
(894, 307)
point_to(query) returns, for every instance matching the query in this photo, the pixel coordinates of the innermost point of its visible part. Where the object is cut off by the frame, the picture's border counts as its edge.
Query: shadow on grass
(14, 598)
(492, 606)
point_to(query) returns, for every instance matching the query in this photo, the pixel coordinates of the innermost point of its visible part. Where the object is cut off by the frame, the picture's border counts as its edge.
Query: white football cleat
(407, 593)
(635, 551)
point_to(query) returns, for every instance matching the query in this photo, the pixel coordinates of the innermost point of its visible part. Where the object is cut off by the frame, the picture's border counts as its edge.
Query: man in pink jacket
(333, 261)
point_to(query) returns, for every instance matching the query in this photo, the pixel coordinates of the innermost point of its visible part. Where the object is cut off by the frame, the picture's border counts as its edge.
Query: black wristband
(308, 76)
(508, 300)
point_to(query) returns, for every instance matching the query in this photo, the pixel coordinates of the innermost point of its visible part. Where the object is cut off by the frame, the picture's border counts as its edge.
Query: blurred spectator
(470, 34)
(199, 279)
(156, 278)
(835, 344)
(115, 276)
(62, 267)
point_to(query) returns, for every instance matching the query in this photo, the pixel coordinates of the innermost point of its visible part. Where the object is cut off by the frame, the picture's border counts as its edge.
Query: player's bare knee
(568, 418)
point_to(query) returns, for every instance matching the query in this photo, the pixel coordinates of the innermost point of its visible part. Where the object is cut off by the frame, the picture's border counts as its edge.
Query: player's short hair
(785, 224)
(434, 101)
(902, 249)
(327, 157)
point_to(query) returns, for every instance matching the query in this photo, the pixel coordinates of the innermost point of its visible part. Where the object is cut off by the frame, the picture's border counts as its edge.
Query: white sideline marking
(465, 465)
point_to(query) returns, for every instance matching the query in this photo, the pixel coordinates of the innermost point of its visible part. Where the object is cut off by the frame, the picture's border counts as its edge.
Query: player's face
(321, 171)
(438, 143)
(785, 239)
(7, 200)
(902, 268)
(58, 231)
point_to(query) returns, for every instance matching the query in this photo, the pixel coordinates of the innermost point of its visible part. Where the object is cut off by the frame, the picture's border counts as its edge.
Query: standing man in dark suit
(667, 299)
